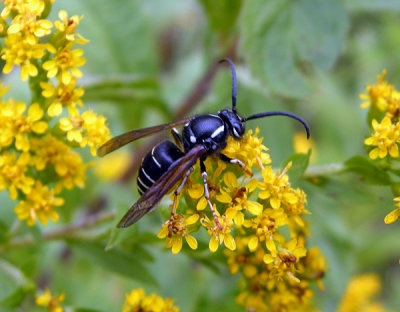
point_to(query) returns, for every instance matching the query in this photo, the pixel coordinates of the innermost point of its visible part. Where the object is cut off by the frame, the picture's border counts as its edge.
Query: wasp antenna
(267, 114)
(234, 84)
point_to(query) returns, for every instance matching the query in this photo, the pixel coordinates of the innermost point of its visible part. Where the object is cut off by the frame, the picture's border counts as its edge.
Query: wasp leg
(176, 194)
(177, 137)
(236, 161)
(207, 193)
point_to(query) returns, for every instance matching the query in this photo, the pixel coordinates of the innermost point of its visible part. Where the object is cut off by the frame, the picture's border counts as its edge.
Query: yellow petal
(392, 216)
(275, 202)
(230, 242)
(35, 112)
(202, 203)
(253, 243)
(192, 219)
(196, 191)
(213, 245)
(192, 242)
(55, 109)
(254, 207)
(177, 244)
(268, 258)
(39, 127)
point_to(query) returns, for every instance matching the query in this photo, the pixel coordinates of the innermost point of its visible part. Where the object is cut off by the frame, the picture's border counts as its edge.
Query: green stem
(71, 230)
(324, 170)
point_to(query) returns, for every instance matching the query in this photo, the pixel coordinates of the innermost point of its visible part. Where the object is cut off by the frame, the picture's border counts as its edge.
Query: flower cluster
(359, 294)
(37, 140)
(259, 217)
(135, 301)
(383, 99)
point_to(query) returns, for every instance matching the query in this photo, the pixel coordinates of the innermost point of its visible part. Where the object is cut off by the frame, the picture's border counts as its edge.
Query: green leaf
(16, 297)
(368, 170)
(373, 5)
(122, 37)
(299, 165)
(280, 37)
(222, 14)
(116, 260)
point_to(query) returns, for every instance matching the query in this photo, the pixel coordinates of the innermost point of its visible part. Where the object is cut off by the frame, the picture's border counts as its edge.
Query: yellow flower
(264, 227)
(68, 165)
(377, 94)
(18, 51)
(39, 205)
(16, 125)
(30, 27)
(219, 235)
(359, 294)
(137, 301)
(177, 228)
(68, 25)
(385, 138)
(62, 95)
(236, 198)
(65, 63)
(13, 173)
(87, 129)
(51, 303)
(249, 150)
(34, 7)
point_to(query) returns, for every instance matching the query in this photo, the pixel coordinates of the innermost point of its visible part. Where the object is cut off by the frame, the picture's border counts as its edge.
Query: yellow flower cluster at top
(135, 301)
(383, 99)
(359, 294)
(260, 220)
(37, 139)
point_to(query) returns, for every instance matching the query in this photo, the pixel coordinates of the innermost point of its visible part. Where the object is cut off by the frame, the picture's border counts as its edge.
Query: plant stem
(68, 231)
(324, 170)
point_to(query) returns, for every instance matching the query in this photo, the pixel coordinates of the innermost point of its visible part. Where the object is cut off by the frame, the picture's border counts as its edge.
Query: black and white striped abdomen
(155, 163)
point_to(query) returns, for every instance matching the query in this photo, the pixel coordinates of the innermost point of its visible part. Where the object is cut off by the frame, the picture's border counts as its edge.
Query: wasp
(169, 162)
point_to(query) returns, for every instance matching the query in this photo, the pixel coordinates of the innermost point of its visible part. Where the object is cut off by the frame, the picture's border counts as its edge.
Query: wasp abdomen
(155, 163)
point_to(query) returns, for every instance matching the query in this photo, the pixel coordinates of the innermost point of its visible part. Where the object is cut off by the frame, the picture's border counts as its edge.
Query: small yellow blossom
(86, 129)
(236, 198)
(51, 303)
(359, 294)
(13, 173)
(385, 138)
(249, 150)
(219, 235)
(68, 25)
(175, 229)
(65, 64)
(382, 95)
(137, 301)
(39, 205)
(62, 96)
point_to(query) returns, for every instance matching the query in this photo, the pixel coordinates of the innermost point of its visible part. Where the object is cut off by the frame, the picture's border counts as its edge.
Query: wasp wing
(154, 194)
(125, 138)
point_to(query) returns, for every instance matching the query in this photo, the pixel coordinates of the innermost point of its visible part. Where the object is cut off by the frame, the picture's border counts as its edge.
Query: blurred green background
(309, 57)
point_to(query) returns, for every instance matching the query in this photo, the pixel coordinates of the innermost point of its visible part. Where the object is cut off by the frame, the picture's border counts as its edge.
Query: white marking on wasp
(141, 182)
(147, 176)
(235, 133)
(140, 189)
(214, 116)
(192, 139)
(186, 124)
(155, 160)
(218, 131)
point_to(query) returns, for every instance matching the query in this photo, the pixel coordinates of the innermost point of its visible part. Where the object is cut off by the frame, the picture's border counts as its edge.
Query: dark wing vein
(154, 194)
(125, 138)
